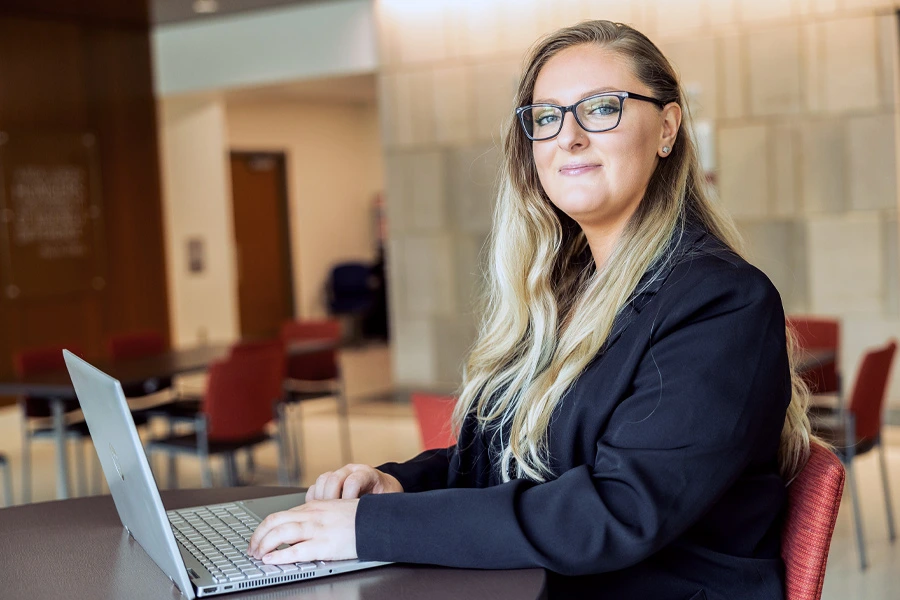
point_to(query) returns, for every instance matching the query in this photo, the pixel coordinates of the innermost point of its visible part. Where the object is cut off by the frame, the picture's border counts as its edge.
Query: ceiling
(352, 89)
(177, 11)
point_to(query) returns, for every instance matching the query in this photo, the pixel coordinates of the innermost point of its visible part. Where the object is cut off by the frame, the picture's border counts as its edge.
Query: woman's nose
(571, 135)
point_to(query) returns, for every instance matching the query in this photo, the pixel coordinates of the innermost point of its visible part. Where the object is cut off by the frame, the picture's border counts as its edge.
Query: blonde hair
(548, 311)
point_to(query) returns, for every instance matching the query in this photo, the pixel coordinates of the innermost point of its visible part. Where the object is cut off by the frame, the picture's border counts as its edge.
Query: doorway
(262, 241)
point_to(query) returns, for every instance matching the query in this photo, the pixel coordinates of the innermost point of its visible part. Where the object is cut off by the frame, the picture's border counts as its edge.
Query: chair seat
(187, 443)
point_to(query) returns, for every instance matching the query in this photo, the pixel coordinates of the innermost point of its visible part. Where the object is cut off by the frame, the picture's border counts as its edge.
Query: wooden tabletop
(78, 549)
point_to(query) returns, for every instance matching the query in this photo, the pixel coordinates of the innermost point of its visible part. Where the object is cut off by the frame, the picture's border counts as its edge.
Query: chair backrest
(350, 288)
(313, 366)
(869, 390)
(136, 345)
(241, 391)
(813, 501)
(35, 361)
(819, 333)
(433, 414)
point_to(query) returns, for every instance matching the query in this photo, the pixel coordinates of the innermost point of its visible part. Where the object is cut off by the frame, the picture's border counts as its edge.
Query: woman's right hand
(352, 481)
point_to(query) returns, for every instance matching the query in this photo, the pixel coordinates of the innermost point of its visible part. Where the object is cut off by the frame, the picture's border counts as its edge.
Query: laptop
(202, 549)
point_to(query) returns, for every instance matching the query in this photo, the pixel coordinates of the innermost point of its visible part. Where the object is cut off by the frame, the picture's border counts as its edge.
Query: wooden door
(261, 229)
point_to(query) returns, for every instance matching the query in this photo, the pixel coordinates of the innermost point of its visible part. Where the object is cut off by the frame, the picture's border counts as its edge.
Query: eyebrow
(587, 94)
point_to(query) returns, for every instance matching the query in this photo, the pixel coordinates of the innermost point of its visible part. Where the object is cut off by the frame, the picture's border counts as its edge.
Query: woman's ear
(671, 114)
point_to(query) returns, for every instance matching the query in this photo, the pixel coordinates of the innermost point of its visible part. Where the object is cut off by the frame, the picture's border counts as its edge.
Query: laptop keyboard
(218, 537)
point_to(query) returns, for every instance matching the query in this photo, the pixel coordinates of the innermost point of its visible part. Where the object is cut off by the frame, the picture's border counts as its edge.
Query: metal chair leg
(297, 443)
(887, 492)
(284, 441)
(344, 424)
(231, 474)
(172, 478)
(80, 468)
(7, 482)
(26, 462)
(203, 451)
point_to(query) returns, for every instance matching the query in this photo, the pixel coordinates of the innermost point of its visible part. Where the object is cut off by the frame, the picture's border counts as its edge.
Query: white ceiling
(176, 11)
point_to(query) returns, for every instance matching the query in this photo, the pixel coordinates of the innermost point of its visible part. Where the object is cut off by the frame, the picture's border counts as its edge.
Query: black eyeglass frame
(520, 112)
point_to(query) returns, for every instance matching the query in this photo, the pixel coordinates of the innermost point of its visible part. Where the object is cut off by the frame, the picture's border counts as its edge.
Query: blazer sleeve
(427, 471)
(712, 384)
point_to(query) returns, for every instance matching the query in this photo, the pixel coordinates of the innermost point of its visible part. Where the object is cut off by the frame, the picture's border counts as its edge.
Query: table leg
(62, 459)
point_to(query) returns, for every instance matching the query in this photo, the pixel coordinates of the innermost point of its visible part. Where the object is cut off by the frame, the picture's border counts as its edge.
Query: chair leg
(172, 479)
(7, 482)
(80, 468)
(251, 463)
(203, 451)
(231, 474)
(344, 424)
(284, 441)
(297, 443)
(857, 513)
(26, 463)
(887, 492)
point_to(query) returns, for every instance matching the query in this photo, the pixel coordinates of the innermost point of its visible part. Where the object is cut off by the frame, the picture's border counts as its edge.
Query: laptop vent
(273, 580)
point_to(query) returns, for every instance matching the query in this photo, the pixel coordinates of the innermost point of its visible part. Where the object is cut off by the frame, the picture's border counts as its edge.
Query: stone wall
(799, 96)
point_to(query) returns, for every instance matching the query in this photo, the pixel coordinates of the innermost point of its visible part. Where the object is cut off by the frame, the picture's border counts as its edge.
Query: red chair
(37, 413)
(857, 429)
(434, 414)
(238, 405)
(819, 333)
(814, 498)
(313, 371)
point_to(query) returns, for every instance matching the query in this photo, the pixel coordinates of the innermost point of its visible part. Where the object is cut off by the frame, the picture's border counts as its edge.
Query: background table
(78, 549)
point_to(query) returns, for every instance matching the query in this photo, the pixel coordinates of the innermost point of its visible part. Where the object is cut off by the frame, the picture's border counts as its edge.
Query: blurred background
(208, 170)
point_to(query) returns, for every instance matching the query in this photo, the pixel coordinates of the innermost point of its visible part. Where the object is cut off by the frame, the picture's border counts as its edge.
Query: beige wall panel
(816, 7)
(773, 56)
(872, 162)
(757, 11)
(846, 264)
(722, 12)
(733, 94)
(613, 10)
(455, 337)
(695, 60)
(888, 49)
(813, 66)
(867, 4)
(471, 260)
(744, 170)
(419, 30)
(453, 105)
(850, 66)
(413, 349)
(891, 264)
(494, 88)
(672, 18)
(784, 164)
(476, 29)
(387, 109)
(520, 25)
(397, 191)
(823, 166)
(426, 201)
(778, 249)
(472, 175)
(427, 263)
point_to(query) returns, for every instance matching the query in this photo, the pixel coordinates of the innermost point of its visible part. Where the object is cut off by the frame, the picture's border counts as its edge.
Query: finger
(286, 533)
(356, 484)
(319, 487)
(269, 523)
(301, 552)
(334, 483)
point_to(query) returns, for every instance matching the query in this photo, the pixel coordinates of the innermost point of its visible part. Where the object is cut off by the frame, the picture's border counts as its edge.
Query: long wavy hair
(547, 309)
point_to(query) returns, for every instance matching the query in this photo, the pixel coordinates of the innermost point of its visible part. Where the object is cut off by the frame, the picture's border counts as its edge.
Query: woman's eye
(545, 119)
(603, 109)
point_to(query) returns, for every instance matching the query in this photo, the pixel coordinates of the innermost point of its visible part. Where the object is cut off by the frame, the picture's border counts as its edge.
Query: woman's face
(598, 179)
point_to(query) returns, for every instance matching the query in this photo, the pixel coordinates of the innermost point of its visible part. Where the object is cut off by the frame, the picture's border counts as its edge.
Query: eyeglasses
(597, 113)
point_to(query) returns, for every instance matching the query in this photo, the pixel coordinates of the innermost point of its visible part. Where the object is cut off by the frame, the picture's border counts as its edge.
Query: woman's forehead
(582, 70)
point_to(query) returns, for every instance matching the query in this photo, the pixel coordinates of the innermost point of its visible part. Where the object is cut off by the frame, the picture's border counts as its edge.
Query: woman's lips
(579, 169)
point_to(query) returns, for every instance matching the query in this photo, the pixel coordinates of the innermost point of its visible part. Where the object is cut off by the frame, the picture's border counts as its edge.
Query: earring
(666, 149)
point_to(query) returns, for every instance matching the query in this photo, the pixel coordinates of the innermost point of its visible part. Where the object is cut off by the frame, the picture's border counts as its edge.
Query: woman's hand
(317, 530)
(352, 481)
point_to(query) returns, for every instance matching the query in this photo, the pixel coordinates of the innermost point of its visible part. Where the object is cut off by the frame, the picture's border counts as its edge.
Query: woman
(628, 418)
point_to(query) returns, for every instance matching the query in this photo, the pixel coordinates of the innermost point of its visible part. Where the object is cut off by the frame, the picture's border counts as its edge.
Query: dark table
(814, 358)
(57, 386)
(78, 549)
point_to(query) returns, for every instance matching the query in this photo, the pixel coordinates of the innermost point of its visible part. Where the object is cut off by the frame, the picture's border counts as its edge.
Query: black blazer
(664, 454)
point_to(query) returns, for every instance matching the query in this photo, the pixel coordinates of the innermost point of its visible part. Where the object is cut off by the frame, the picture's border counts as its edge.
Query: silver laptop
(203, 549)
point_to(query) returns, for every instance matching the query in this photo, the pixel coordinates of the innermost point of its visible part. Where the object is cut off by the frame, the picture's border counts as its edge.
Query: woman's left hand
(317, 530)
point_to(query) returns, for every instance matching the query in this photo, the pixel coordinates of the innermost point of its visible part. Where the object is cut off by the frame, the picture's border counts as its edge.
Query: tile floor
(383, 429)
